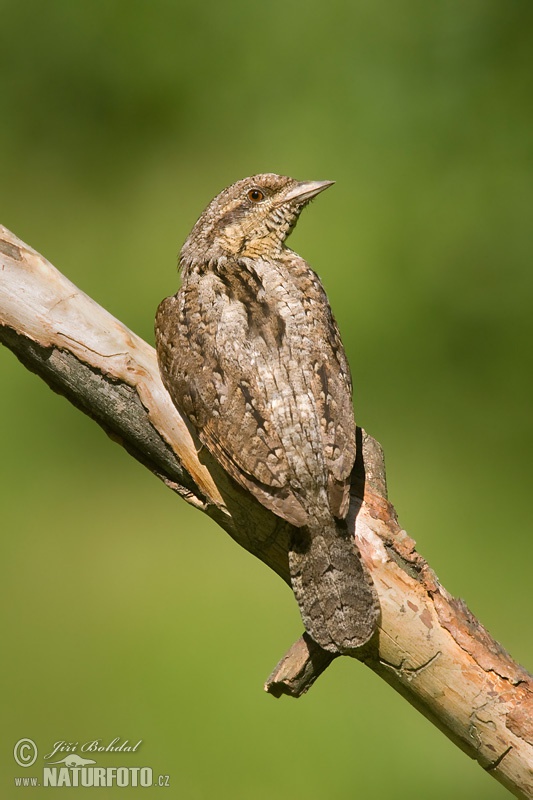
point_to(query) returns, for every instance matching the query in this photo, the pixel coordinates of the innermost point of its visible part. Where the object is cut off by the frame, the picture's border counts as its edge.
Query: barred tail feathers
(335, 593)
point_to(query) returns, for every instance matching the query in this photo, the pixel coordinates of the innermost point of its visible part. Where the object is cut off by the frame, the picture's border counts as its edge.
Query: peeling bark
(429, 647)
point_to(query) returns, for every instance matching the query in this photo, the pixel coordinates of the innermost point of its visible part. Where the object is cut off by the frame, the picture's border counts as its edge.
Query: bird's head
(251, 218)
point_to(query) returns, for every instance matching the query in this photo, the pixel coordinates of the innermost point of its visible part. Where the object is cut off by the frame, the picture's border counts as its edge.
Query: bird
(250, 353)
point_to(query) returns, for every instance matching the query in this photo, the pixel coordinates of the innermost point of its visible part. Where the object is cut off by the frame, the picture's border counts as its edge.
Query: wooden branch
(429, 647)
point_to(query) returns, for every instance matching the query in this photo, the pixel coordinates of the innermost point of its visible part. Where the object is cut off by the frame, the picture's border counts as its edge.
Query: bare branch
(428, 646)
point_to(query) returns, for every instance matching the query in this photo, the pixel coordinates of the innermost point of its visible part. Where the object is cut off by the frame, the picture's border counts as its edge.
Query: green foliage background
(124, 612)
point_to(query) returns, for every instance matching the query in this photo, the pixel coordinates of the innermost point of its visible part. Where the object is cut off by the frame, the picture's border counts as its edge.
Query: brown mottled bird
(250, 353)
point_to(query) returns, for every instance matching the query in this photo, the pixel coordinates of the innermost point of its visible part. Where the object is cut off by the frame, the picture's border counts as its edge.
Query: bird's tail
(335, 593)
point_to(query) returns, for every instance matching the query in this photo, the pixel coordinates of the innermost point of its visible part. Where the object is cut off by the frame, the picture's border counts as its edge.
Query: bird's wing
(226, 411)
(227, 385)
(331, 387)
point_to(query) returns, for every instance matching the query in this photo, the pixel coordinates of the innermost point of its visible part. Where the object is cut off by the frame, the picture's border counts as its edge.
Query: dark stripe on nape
(324, 383)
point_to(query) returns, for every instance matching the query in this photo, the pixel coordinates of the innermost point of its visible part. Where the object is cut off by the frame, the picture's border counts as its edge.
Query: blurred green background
(126, 613)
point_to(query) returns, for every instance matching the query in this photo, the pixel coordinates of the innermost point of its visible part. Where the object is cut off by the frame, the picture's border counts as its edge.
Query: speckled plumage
(250, 352)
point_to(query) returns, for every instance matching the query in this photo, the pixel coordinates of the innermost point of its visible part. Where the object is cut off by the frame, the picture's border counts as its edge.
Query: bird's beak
(306, 190)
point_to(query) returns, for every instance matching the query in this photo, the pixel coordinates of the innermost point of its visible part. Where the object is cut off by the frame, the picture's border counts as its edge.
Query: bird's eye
(256, 195)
